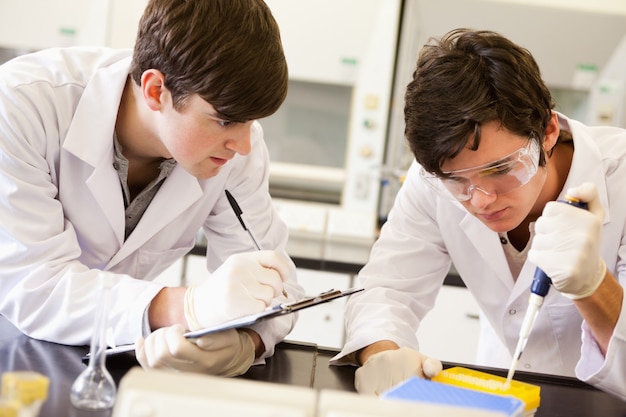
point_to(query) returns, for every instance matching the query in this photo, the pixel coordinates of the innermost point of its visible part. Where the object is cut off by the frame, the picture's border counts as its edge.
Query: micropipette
(538, 290)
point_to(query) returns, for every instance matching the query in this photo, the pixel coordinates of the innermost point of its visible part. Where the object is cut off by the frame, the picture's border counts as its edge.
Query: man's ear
(153, 88)
(552, 133)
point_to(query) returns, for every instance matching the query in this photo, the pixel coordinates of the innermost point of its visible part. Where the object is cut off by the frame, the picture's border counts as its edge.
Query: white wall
(605, 6)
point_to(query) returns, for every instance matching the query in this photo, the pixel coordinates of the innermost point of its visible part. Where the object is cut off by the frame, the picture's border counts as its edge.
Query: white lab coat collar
(163, 210)
(585, 150)
(104, 91)
(90, 139)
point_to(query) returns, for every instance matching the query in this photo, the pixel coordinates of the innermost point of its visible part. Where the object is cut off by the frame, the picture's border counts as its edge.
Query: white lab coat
(425, 233)
(62, 210)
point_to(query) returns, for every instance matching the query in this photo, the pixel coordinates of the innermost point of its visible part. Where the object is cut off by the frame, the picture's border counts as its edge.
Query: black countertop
(293, 364)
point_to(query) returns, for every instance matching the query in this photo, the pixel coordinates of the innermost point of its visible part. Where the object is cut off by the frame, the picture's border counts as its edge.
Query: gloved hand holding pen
(245, 284)
(567, 242)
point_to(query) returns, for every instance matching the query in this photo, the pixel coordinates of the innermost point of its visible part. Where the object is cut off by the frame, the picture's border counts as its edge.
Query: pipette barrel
(541, 283)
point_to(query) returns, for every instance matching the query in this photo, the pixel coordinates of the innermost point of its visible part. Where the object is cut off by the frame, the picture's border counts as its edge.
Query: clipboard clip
(273, 311)
(309, 301)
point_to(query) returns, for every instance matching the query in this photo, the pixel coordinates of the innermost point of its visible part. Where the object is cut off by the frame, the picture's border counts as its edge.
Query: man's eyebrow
(216, 114)
(495, 165)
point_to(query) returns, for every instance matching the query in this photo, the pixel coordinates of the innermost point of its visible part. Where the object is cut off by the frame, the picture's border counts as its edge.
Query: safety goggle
(498, 177)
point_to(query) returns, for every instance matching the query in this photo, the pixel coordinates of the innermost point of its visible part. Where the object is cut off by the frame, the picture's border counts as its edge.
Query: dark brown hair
(229, 52)
(465, 79)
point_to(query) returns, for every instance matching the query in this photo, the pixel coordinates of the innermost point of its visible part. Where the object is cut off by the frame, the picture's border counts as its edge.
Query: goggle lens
(499, 177)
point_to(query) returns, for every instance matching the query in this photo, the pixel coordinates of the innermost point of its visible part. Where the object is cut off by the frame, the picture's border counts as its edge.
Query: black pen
(238, 213)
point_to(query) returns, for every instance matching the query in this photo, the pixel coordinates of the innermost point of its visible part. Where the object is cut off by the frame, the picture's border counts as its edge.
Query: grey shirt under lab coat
(62, 210)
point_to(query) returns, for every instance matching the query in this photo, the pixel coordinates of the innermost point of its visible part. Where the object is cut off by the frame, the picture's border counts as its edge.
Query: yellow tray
(493, 384)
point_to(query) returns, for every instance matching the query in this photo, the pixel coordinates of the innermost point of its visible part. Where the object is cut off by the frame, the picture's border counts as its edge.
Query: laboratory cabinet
(450, 331)
(327, 140)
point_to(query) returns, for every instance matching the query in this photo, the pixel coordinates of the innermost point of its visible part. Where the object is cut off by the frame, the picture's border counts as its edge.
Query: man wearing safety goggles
(497, 177)
(491, 159)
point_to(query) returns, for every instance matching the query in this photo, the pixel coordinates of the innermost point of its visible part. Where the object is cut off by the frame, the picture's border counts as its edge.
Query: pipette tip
(509, 378)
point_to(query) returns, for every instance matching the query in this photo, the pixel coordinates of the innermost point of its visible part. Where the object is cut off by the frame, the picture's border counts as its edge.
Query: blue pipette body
(538, 289)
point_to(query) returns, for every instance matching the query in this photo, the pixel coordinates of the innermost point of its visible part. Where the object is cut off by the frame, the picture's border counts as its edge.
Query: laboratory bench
(296, 364)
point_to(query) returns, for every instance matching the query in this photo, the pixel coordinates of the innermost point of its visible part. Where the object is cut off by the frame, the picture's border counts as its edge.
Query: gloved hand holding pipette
(566, 245)
(566, 250)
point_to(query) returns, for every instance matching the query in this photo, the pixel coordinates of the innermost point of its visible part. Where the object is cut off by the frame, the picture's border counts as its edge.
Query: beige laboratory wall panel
(125, 15)
(38, 24)
(569, 44)
(325, 41)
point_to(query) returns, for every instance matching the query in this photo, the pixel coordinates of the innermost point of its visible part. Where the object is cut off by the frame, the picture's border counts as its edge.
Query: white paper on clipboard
(270, 312)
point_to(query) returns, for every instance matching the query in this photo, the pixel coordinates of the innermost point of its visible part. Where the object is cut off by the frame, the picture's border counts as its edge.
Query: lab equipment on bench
(538, 290)
(23, 393)
(471, 389)
(459, 376)
(159, 393)
(94, 388)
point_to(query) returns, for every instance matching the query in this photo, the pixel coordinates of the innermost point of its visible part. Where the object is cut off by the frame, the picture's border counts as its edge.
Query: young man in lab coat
(112, 163)
(492, 158)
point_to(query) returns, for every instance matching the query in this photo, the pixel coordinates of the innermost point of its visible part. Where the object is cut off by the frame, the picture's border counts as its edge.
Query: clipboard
(270, 312)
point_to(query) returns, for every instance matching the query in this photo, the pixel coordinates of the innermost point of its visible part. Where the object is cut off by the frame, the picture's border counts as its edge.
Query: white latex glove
(245, 284)
(227, 353)
(386, 369)
(567, 242)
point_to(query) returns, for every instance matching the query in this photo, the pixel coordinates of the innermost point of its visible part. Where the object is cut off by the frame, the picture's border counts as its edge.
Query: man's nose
(239, 140)
(480, 197)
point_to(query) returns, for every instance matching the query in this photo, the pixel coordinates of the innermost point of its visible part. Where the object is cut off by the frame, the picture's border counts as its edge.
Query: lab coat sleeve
(606, 373)
(406, 269)
(248, 183)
